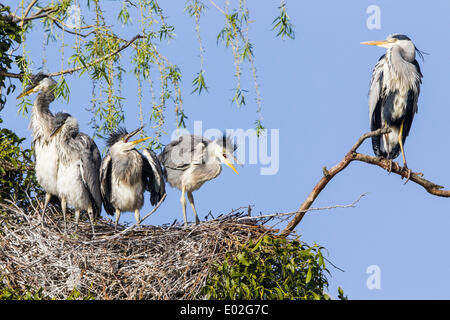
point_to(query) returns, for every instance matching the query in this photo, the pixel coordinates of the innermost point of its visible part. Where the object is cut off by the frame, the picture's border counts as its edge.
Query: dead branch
(283, 214)
(351, 156)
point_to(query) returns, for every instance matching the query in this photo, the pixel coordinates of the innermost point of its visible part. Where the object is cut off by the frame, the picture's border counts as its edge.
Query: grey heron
(42, 122)
(192, 160)
(393, 95)
(125, 175)
(78, 181)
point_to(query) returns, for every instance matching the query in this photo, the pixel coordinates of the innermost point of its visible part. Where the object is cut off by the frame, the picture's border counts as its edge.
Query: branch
(27, 10)
(67, 28)
(9, 167)
(87, 65)
(352, 155)
(277, 215)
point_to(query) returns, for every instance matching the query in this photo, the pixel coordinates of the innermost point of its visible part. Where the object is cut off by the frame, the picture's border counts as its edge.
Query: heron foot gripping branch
(353, 155)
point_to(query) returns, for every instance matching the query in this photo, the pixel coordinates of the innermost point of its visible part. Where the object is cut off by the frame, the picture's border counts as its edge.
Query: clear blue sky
(314, 90)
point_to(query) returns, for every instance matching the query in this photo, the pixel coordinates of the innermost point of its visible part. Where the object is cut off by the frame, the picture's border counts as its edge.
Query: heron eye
(225, 155)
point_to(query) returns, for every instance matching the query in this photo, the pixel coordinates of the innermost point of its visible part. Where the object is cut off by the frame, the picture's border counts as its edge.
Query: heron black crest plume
(227, 143)
(116, 136)
(38, 77)
(61, 117)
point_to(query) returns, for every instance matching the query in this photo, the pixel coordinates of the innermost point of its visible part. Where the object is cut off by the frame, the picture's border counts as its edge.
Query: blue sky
(314, 91)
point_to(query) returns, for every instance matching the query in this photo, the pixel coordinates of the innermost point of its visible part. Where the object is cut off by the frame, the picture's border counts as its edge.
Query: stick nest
(146, 262)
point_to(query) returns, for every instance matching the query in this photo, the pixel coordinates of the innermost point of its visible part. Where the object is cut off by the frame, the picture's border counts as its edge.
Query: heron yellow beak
(139, 141)
(56, 131)
(26, 93)
(228, 163)
(382, 43)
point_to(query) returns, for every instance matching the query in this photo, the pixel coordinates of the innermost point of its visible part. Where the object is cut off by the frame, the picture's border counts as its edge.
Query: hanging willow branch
(351, 156)
(85, 66)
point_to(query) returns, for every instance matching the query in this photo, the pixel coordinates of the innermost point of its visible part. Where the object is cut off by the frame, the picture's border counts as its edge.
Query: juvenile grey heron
(192, 160)
(78, 181)
(393, 95)
(125, 174)
(42, 123)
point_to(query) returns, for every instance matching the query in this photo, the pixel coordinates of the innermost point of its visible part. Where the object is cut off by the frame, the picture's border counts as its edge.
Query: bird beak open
(135, 142)
(27, 91)
(228, 163)
(382, 43)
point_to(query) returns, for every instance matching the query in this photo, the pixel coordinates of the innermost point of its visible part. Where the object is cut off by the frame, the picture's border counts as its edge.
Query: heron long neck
(42, 120)
(212, 165)
(401, 74)
(127, 167)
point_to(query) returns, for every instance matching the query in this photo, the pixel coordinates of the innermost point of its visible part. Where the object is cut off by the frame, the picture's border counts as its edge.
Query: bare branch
(28, 9)
(276, 215)
(352, 155)
(126, 45)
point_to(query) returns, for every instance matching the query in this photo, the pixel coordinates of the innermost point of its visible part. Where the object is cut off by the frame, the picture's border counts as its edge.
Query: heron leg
(48, 196)
(64, 210)
(77, 218)
(400, 141)
(117, 219)
(183, 204)
(137, 215)
(91, 219)
(191, 200)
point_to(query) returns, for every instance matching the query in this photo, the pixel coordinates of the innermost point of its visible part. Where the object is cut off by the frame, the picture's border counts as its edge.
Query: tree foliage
(271, 268)
(17, 178)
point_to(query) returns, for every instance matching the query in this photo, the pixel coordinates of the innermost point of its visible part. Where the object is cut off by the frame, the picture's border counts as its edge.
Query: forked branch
(352, 155)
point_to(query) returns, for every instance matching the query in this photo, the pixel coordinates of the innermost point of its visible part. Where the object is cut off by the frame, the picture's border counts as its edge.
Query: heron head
(119, 139)
(224, 149)
(64, 122)
(398, 41)
(38, 82)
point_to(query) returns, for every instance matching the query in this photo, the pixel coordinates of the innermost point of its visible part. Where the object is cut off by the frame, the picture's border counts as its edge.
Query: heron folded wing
(153, 171)
(105, 184)
(89, 168)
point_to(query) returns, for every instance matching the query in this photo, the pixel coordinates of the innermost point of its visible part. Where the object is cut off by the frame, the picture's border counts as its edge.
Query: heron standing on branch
(192, 160)
(126, 173)
(42, 123)
(393, 95)
(78, 180)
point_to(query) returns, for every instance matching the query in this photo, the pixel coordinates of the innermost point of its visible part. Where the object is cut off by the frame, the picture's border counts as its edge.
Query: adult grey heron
(393, 95)
(78, 182)
(126, 173)
(42, 123)
(192, 160)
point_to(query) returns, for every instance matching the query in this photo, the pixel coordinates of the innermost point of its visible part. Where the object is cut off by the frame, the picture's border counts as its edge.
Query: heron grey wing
(105, 183)
(375, 103)
(412, 102)
(419, 82)
(186, 150)
(155, 183)
(90, 170)
(376, 86)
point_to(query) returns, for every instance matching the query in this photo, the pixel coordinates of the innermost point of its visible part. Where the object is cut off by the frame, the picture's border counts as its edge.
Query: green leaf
(308, 275)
